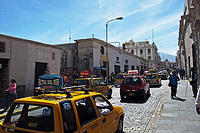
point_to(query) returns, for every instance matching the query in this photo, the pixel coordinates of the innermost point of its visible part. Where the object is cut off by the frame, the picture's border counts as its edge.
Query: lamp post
(118, 46)
(107, 65)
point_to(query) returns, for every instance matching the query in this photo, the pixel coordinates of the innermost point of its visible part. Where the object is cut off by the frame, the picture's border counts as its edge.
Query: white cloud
(144, 6)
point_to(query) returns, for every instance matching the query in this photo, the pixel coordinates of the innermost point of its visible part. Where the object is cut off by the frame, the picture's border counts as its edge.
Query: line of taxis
(59, 109)
(55, 108)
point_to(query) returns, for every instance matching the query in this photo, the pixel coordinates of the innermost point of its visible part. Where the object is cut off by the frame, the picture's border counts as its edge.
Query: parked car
(163, 75)
(153, 79)
(134, 86)
(118, 78)
(66, 112)
(96, 85)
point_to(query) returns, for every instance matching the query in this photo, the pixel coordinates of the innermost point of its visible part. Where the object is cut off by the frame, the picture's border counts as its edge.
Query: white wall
(23, 54)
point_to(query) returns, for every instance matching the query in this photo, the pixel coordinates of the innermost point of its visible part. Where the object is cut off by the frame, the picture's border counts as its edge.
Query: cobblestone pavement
(140, 115)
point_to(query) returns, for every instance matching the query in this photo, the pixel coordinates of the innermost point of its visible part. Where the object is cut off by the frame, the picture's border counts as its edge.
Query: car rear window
(81, 82)
(29, 116)
(119, 77)
(132, 81)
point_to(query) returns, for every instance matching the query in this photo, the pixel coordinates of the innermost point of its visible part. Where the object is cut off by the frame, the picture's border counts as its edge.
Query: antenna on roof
(152, 36)
(70, 36)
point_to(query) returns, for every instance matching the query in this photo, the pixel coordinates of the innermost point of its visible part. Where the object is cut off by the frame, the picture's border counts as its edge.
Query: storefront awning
(100, 68)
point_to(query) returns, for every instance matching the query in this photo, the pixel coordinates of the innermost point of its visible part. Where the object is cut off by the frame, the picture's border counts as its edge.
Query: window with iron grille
(132, 51)
(149, 51)
(141, 51)
(117, 58)
(149, 57)
(53, 56)
(2, 47)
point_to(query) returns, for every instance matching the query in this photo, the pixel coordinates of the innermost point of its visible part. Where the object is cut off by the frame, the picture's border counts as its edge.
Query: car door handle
(104, 120)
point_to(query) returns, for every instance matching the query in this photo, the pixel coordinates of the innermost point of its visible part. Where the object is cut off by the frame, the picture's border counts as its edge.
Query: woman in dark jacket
(173, 82)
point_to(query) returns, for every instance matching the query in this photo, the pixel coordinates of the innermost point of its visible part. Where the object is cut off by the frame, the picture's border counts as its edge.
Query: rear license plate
(131, 94)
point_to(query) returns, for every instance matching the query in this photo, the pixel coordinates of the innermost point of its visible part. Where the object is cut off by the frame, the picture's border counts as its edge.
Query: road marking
(157, 111)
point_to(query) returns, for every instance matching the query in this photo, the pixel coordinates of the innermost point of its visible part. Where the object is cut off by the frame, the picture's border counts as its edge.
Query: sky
(55, 21)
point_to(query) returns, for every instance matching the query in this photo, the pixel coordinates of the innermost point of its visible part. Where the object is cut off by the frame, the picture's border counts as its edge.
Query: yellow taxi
(153, 79)
(118, 78)
(95, 84)
(63, 112)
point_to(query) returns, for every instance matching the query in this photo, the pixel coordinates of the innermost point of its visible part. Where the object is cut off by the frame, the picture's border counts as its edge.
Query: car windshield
(132, 81)
(29, 116)
(81, 82)
(151, 76)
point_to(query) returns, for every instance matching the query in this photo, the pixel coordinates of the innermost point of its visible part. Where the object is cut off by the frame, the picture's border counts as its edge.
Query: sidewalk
(178, 116)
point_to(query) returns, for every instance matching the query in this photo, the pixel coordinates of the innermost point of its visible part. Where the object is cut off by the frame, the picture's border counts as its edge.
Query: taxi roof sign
(133, 72)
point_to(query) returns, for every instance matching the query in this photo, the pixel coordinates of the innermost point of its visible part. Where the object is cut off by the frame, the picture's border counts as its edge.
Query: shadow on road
(135, 100)
(179, 99)
(155, 86)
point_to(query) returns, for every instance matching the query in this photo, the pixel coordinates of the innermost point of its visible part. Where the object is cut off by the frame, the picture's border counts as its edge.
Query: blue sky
(50, 21)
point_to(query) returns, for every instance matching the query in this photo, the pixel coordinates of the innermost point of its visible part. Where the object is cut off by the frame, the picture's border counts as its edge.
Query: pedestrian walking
(112, 78)
(12, 94)
(75, 75)
(193, 81)
(69, 81)
(197, 103)
(173, 83)
(181, 71)
(183, 74)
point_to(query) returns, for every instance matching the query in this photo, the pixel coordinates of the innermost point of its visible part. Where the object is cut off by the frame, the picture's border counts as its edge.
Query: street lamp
(118, 46)
(118, 18)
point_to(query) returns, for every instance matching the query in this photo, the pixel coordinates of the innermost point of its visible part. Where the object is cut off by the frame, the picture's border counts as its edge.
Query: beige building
(189, 37)
(90, 54)
(25, 60)
(144, 50)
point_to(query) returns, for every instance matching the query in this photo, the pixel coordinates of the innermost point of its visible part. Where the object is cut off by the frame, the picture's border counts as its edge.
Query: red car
(134, 86)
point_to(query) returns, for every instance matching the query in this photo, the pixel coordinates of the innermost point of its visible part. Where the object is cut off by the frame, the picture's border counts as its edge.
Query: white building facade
(144, 50)
(189, 37)
(25, 60)
(92, 57)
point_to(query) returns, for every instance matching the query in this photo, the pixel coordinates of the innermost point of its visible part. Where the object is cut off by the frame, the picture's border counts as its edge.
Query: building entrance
(40, 69)
(117, 69)
(3, 76)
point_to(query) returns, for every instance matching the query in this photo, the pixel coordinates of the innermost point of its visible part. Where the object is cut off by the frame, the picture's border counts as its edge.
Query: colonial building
(90, 54)
(144, 50)
(189, 37)
(69, 58)
(25, 60)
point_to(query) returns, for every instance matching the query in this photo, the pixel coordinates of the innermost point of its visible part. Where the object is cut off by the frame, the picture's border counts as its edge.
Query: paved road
(140, 115)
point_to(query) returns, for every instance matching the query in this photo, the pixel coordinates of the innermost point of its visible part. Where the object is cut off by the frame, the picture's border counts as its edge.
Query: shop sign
(85, 73)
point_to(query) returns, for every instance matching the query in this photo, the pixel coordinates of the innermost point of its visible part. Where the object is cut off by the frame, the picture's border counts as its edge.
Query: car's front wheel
(120, 125)
(144, 95)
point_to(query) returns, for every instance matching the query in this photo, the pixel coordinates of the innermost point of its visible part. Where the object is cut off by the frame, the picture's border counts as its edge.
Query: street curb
(157, 113)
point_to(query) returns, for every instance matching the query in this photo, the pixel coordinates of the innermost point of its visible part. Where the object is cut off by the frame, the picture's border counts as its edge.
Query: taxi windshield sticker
(67, 106)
